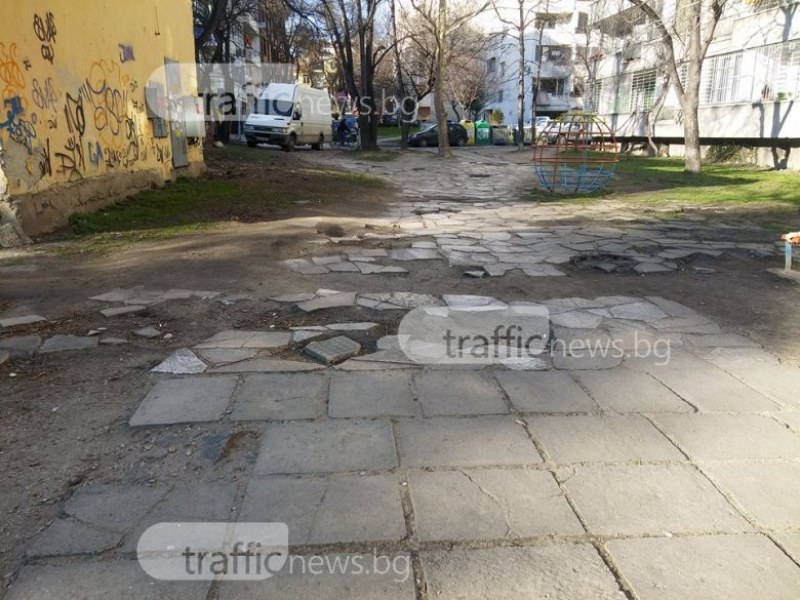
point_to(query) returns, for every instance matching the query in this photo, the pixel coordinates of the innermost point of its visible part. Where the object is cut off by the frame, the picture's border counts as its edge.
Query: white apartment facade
(564, 27)
(750, 84)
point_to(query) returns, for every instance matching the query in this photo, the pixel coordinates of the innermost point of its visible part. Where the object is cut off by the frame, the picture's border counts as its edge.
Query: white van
(289, 115)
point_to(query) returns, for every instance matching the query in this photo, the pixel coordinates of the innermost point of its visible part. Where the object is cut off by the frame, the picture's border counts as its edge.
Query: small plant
(730, 154)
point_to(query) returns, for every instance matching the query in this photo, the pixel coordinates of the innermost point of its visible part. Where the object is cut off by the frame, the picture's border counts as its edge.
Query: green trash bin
(483, 133)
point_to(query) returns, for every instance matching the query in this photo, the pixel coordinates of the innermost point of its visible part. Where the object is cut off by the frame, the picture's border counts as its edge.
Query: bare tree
(686, 40)
(518, 16)
(441, 21)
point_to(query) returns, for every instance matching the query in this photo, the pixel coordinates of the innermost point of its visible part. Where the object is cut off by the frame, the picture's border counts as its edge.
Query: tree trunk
(692, 160)
(439, 102)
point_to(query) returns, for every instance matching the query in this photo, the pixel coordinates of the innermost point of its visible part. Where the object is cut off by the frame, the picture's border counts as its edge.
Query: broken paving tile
(147, 333)
(577, 320)
(234, 338)
(335, 300)
(225, 356)
(326, 260)
(119, 311)
(407, 254)
(65, 537)
(186, 400)
(334, 350)
(181, 362)
(113, 341)
(267, 365)
(63, 343)
(23, 320)
(638, 311)
(293, 298)
(352, 326)
(305, 335)
(21, 346)
(460, 301)
(475, 274)
(646, 268)
(344, 267)
(5, 355)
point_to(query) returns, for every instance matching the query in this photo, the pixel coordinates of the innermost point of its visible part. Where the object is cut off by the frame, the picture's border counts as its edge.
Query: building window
(643, 90)
(559, 55)
(583, 23)
(597, 94)
(491, 65)
(500, 96)
(778, 68)
(556, 87)
(720, 79)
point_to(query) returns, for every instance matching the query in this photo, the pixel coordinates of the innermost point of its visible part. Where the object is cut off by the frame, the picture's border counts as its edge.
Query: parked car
(429, 136)
(568, 131)
(541, 123)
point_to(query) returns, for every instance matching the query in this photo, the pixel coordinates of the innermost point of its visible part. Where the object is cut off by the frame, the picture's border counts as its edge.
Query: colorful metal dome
(575, 154)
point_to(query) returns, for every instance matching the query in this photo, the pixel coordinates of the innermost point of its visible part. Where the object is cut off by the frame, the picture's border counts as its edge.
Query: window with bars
(721, 78)
(643, 90)
(779, 69)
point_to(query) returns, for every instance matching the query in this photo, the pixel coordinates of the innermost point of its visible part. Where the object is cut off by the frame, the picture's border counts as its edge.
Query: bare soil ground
(63, 417)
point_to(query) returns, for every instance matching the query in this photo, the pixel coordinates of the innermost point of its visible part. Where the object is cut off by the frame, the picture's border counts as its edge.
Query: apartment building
(750, 81)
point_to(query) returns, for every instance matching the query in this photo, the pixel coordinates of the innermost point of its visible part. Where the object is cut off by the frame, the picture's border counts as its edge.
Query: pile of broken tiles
(363, 261)
(135, 300)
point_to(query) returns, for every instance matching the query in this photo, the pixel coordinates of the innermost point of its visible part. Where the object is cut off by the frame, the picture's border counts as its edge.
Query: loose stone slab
(464, 442)
(489, 504)
(366, 326)
(22, 346)
(326, 447)
(545, 392)
(64, 343)
(770, 492)
(638, 311)
(147, 333)
(119, 311)
(371, 395)
(601, 439)
(225, 356)
(334, 350)
(445, 393)
(713, 390)
(181, 362)
(338, 509)
(704, 567)
(558, 571)
(300, 583)
(194, 400)
(406, 254)
(23, 320)
(729, 437)
(577, 319)
(626, 391)
(280, 397)
(336, 300)
(234, 339)
(267, 365)
(650, 500)
(99, 581)
(113, 508)
(65, 537)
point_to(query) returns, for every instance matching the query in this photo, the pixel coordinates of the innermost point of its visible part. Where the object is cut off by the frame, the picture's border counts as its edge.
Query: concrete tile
(733, 567)
(267, 365)
(371, 394)
(334, 350)
(489, 504)
(638, 311)
(568, 572)
(650, 500)
(607, 439)
(123, 580)
(21, 320)
(237, 339)
(280, 397)
(465, 442)
(790, 541)
(713, 390)
(22, 346)
(181, 362)
(545, 392)
(336, 509)
(627, 391)
(729, 437)
(311, 578)
(65, 537)
(791, 419)
(326, 447)
(770, 492)
(336, 300)
(113, 508)
(64, 343)
(777, 382)
(118, 311)
(191, 400)
(445, 393)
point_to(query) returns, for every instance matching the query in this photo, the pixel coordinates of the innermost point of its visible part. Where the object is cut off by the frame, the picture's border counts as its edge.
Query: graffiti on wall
(45, 30)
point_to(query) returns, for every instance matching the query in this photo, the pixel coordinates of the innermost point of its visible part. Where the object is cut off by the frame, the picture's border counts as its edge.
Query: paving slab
(446, 393)
(606, 439)
(584, 361)
(225, 356)
(558, 571)
(21, 320)
(119, 311)
(267, 365)
(770, 492)
(733, 567)
(626, 500)
(791, 419)
(64, 537)
(193, 400)
(577, 319)
(729, 437)
(638, 311)
(334, 350)
(316, 577)
(280, 397)
(233, 339)
(373, 394)
(489, 504)
(335, 300)
(338, 509)
(407, 254)
(464, 442)
(626, 391)
(21, 346)
(713, 390)
(113, 508)
(791, 542)
(66, 343)
(123, 580)
(181, 362)
(779, 382)
(720, 340)
(545, 392)
(326, 447)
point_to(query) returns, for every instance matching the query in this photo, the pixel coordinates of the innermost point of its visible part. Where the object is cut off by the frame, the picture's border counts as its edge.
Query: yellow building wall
(74, 129)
